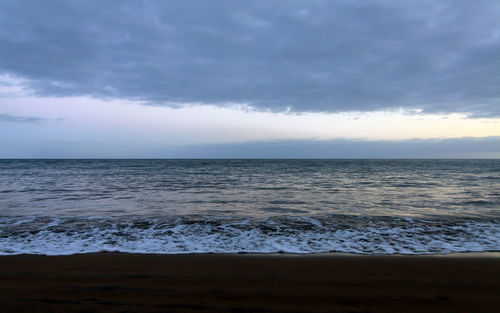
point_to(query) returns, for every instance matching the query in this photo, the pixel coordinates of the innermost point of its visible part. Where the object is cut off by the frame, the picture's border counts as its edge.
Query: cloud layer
(8, 118)
(323, 56)
(485, 147)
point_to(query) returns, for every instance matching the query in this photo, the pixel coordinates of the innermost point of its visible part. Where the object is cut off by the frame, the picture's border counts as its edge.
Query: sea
(60, 207)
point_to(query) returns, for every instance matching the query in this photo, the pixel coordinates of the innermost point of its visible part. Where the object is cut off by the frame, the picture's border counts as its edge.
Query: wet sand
(118, 282)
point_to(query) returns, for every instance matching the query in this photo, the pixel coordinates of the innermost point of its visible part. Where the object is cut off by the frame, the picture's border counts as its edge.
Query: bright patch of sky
(89, 119)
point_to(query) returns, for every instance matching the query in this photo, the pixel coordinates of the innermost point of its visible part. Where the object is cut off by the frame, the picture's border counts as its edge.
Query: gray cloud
(485, 147)
(331, 56)
(20, 119)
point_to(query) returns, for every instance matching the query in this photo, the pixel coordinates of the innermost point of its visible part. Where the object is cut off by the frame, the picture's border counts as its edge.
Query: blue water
(296, 206)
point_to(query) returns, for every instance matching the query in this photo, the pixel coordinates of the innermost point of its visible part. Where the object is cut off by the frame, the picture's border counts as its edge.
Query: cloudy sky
(249, 78)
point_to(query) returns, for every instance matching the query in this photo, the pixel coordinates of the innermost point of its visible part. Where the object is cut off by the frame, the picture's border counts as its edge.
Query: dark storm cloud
(331, 56)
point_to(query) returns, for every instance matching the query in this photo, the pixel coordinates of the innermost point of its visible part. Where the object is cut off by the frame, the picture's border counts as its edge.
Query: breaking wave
(286, 234)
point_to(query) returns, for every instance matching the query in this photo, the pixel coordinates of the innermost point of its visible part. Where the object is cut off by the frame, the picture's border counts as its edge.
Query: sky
(244, 79)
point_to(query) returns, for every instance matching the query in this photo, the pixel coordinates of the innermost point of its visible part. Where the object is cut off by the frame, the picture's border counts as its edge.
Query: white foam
(61, 236)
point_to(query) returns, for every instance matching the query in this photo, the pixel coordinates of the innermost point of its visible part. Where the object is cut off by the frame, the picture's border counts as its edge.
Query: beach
(121, 282)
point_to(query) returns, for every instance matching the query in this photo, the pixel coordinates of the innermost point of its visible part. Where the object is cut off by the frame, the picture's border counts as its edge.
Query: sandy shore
(116, 282)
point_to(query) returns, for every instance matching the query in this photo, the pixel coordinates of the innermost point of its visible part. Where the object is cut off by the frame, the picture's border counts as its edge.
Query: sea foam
(286, 234)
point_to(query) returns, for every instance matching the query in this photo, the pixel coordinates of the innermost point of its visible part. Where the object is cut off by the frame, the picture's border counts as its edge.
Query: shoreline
(339, 282)
(481, 254)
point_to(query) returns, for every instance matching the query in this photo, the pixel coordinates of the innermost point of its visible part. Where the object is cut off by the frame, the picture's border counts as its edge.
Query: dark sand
(116, 282)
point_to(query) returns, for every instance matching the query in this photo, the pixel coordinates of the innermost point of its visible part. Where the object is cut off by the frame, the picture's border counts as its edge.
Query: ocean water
(229, 206)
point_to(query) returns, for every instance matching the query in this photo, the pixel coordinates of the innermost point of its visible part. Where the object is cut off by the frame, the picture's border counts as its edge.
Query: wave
(285, 234)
